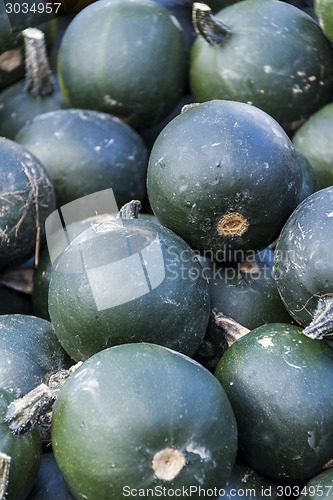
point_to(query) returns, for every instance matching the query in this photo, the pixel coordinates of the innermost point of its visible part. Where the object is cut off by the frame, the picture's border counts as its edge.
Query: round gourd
(314, 139)
(127, 58)
(124, 282)
(23, 453)
(29, 353)
(26, 199)
(279, 383)
(139, 416)
(49, 484)
(268, 53)
(303, 258)
(320, 486)
(244, 482)
(41, 280)
(324, 13)
(310, 182)
(225, 177)
(182, 10)
(38, 94)
(86, 151)
(245, 292)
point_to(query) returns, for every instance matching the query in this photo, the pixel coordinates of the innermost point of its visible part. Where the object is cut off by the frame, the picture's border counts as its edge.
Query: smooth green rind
(41, 280)
(29, 353)
(314, 141)
(136, 66)
(324, 13)
(279, 383)
(279, 61)
(172, 309)
(223, 157)
(25, 453)
(303, 264)
(129, 402)
(310, 182)
(320, 486)
(86, 151)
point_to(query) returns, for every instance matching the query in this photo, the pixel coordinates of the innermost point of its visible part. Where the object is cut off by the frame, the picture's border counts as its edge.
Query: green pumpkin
(124, 57)
(319, 486)
(314, 139)
(279, 383)
(49, 484)
(303, 258)
(247, 483)
(24, 451)
(136, 281)
(26, 199)
(86, 151)
(264, 52)
(29, 353)
(225, 177)
(142, 417)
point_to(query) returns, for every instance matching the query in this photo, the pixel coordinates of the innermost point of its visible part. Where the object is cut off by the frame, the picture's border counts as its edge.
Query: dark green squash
(314, 139)
(41, 280)
(279, 383)
(182, 10)
(26, 199)
(245, 292)
(137, 418)
(38, 94)
(126, 58)
(245, 482)
(23, 456)
(303, 264)
(49, 484)
(225, 177)
(29, 353)
(320, 486)
(126, 281)
(267, 53)
(86, 151)
(310, 182)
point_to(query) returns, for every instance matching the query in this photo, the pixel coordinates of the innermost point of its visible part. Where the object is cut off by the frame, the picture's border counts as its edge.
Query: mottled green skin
(247, 294)
(29, 353)
(127, 403)
(86, 151)
(244, 482)
(25, 453)
(49, 484)
(280, 61)
(324, 13)
(222, 157)
(303, 264)
(314, 139)
(279, 383)
(17, 107)
(174, 313)
(24, 185)
(136, 67)
(320, 486)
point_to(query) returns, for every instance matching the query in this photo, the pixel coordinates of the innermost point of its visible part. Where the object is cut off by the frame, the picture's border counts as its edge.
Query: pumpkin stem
(38, 76)
(208, 26)
(4, 474)
(23, 413)
(322, 324)
(231, 329)
(167, 463)
(130, 210)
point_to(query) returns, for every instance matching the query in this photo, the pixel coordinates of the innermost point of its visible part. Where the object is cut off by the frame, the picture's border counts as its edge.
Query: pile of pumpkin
(179, 346)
